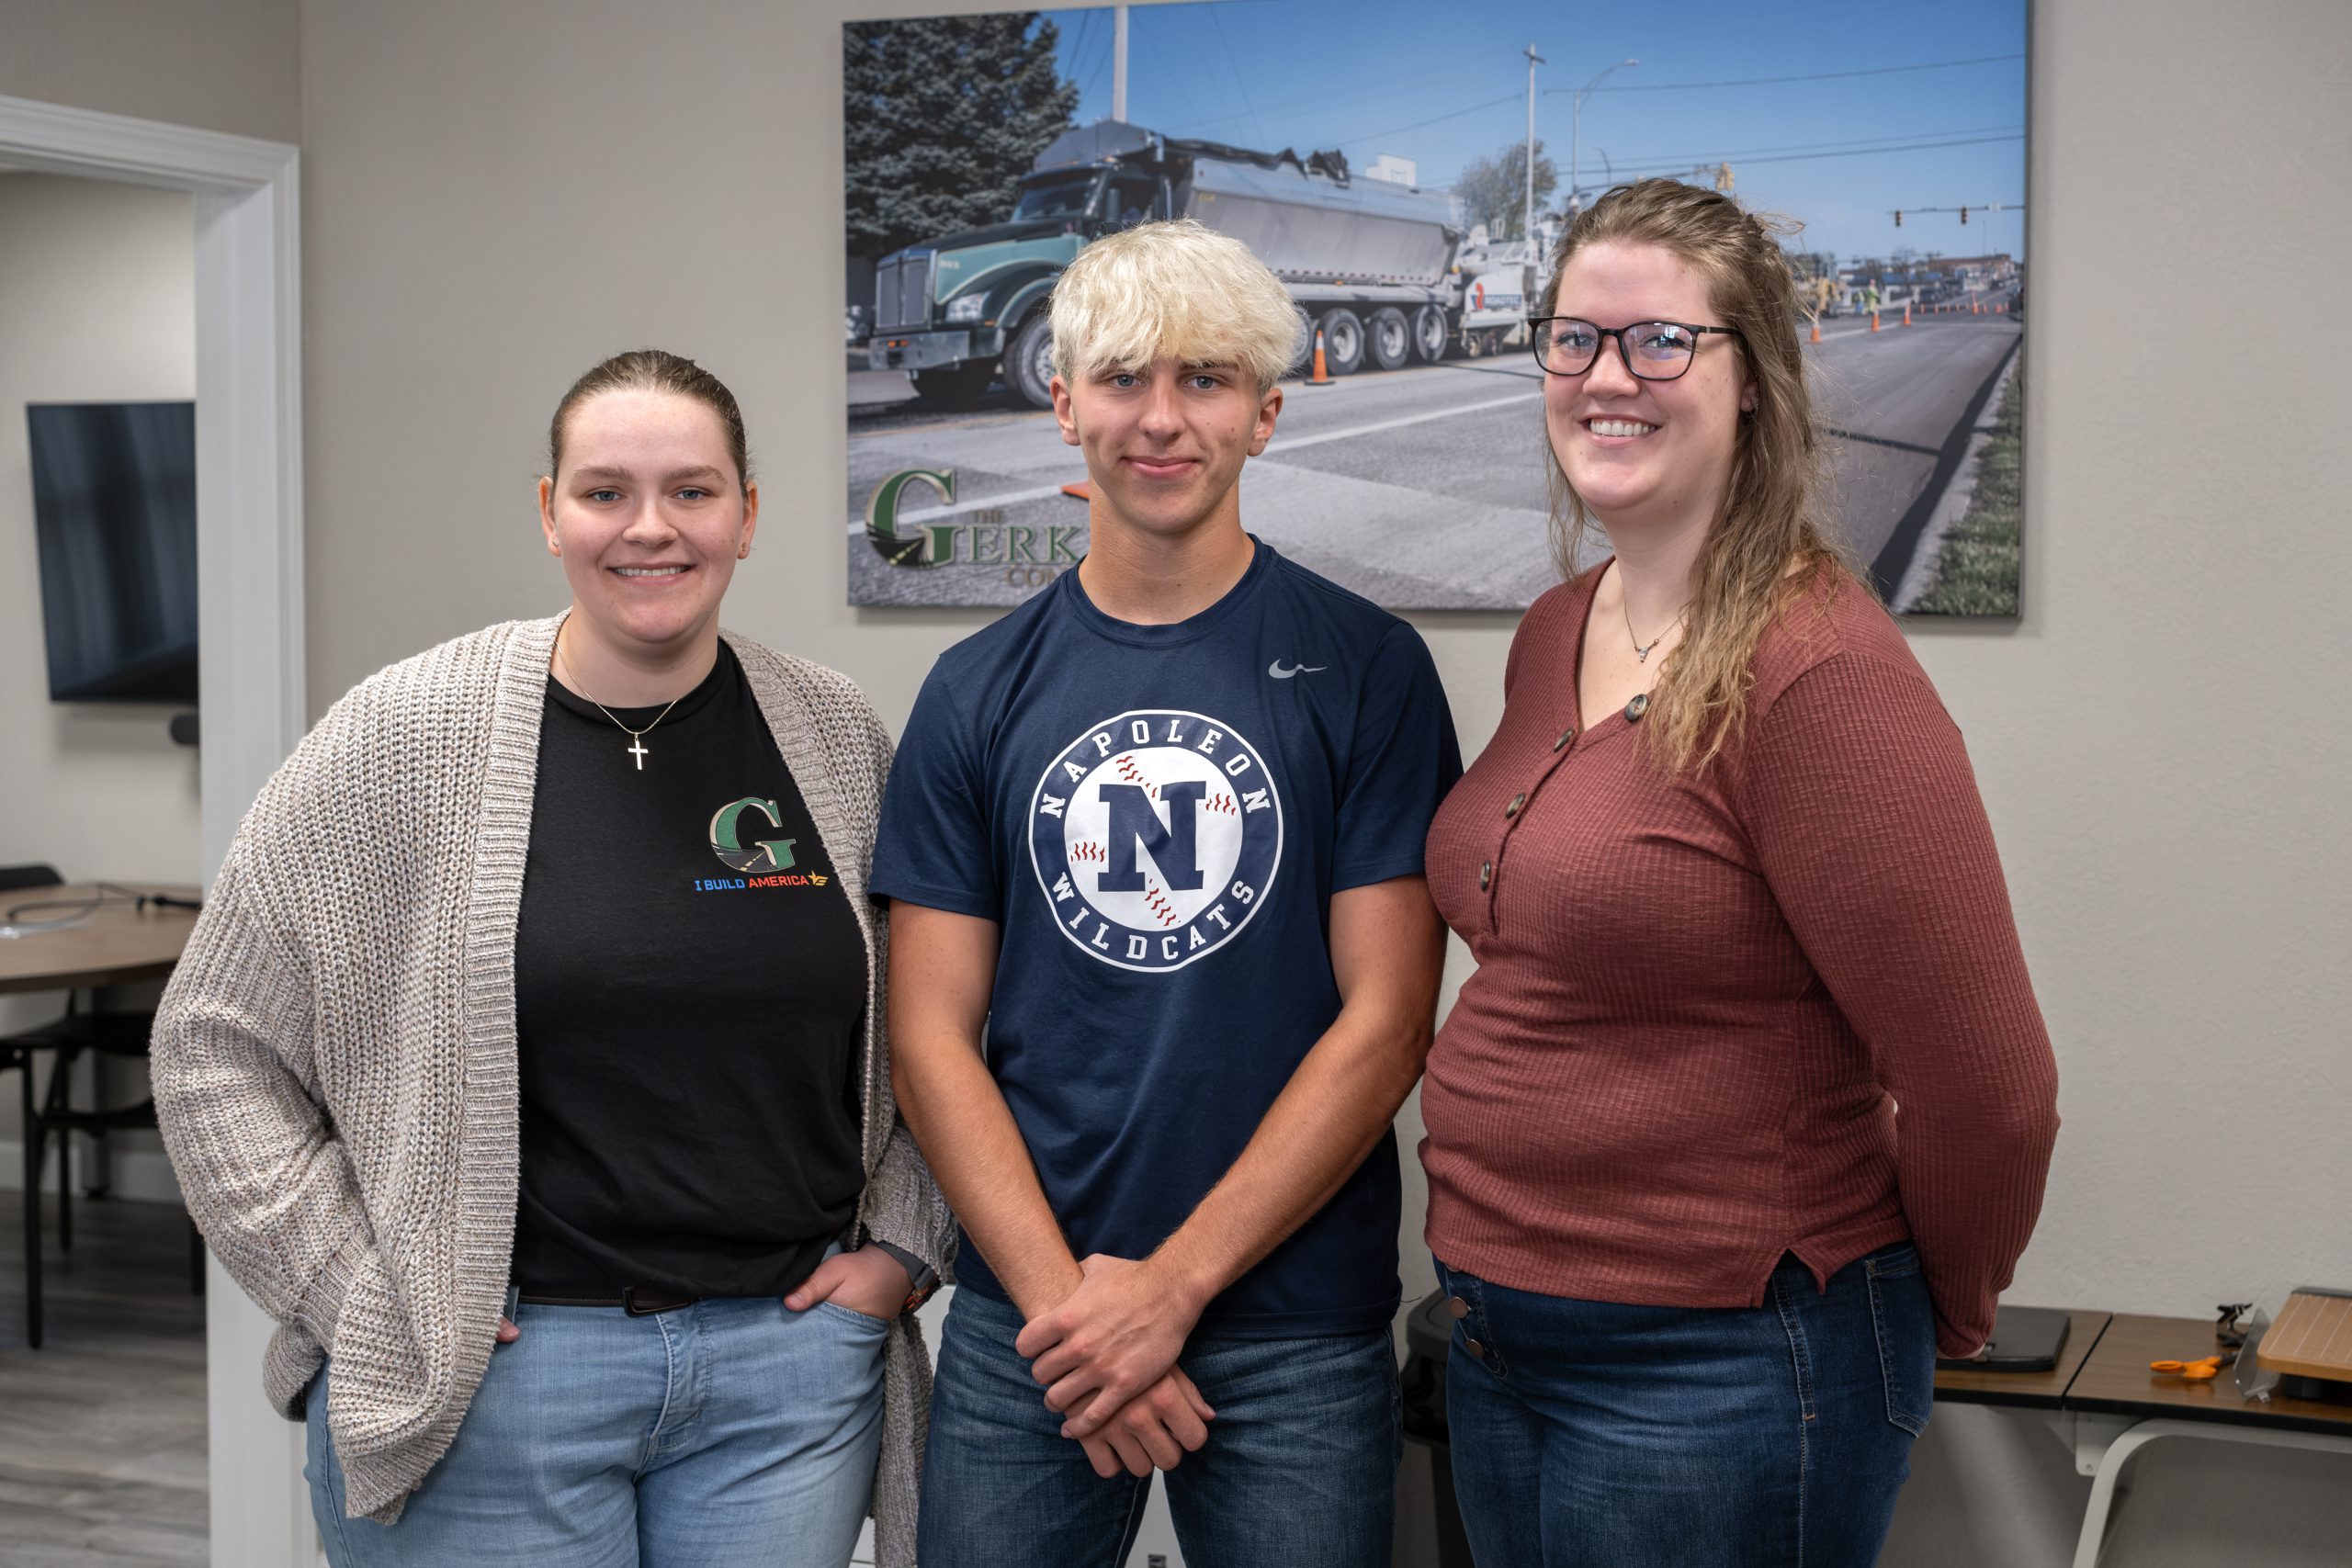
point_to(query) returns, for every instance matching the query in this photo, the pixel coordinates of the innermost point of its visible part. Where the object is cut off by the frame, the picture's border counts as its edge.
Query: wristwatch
(924, 1277)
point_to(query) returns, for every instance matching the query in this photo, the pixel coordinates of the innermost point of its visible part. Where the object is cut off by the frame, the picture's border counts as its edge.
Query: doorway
(249, 596)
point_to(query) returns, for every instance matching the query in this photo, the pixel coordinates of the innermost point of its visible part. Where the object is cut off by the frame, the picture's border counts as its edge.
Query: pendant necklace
(1641, 654)
(636, 737)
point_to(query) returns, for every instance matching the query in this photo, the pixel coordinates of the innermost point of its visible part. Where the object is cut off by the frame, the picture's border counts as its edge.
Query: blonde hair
(1767, 549)
(1173, 289)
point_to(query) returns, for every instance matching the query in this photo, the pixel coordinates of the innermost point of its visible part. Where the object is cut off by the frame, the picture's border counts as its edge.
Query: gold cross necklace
(636, 737)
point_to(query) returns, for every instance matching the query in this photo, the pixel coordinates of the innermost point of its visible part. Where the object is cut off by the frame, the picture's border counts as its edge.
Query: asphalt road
(1422, 488)
(1898, 399)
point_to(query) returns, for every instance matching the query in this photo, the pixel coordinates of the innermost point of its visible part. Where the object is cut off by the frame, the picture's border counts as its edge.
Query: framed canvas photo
(1408, 181)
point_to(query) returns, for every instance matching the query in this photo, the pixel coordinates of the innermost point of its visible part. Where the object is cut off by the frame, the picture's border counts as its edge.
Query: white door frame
(248, 609)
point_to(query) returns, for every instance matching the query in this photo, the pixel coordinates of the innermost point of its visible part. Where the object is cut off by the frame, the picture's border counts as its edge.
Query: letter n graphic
(1170, 844)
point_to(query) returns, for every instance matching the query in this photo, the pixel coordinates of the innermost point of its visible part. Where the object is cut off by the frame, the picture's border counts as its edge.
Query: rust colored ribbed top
(1699, 1003)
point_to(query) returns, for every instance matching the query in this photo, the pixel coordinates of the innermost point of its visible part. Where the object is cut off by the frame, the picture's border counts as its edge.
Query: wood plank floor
(102, 1436)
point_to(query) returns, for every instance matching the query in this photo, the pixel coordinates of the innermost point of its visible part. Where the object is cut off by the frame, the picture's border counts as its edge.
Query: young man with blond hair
(1164, 968)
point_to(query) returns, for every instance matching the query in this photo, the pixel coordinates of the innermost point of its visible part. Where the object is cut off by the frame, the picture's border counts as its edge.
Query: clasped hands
(1106, 1356)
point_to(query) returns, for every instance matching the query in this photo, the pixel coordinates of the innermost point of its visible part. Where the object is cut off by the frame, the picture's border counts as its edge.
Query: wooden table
(2138, 1407)
(119, 942)
(2117, 1382)
(2030, 1390)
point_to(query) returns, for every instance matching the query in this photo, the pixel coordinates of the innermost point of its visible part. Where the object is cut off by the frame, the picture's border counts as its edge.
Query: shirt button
(1638, 706)
(1458, 1307)
(1516, 802)
(1566, 736)
(1485, 875)
(1475, 1349)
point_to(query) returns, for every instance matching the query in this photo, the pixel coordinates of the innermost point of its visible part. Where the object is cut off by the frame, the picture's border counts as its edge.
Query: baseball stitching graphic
(1155, 835)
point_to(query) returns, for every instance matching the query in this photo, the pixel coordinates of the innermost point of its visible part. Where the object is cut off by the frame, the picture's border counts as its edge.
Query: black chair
(81, 1031)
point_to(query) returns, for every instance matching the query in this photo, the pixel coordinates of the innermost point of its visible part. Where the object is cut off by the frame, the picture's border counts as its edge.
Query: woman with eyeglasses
(1745, 1113)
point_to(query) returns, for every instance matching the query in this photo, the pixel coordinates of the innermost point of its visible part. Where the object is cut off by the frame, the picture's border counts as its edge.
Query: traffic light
(1963, 215)
(1898, 218)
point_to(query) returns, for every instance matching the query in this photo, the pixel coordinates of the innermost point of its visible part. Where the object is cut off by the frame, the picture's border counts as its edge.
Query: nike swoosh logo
(1279, 673)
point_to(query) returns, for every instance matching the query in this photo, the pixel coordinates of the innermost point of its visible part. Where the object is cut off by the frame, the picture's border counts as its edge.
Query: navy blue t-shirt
(1157, 818)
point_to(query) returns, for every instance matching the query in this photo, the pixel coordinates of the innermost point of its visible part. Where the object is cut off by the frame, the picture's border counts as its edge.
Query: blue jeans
(1299, 1471)
(727, 1433)
(1593, 1435)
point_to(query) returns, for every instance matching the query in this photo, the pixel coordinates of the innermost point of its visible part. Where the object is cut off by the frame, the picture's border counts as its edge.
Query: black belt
(638, 1301)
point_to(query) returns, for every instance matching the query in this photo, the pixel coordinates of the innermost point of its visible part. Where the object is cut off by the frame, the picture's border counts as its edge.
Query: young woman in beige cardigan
(526, 1064)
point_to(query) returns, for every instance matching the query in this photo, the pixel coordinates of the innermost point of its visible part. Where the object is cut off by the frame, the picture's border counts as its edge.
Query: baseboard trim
(141, 1176)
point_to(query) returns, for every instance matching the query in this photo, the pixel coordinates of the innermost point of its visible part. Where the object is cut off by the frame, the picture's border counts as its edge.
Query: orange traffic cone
(1874, 321)
(1907, 313)
(1975, 307)
(1083, 490)
(1322, 377)
(1816, 329)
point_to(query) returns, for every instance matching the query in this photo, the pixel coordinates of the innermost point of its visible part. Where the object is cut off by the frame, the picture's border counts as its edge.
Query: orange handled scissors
(2198, 1371)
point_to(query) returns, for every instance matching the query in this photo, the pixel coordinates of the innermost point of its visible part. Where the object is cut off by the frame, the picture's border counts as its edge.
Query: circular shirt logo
(1155, 836)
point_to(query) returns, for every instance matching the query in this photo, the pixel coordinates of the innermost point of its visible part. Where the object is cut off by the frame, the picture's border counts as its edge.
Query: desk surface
(2116, 1381)
(117, 944)
(2038, 1391)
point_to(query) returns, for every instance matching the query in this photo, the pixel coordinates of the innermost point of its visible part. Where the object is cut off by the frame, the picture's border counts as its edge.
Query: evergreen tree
(1493, 191)
(942, 117)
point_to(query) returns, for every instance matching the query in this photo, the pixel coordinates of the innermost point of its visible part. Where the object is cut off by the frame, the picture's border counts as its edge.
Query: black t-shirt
(690, 986)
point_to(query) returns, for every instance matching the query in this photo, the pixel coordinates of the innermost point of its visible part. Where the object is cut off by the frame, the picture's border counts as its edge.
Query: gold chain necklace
(1641, 654)
(636, 737)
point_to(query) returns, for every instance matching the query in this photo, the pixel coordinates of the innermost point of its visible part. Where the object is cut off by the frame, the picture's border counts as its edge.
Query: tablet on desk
(2025, 1339)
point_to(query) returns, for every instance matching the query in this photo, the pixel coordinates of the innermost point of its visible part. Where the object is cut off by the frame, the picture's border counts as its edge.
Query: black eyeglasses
(1653, 351)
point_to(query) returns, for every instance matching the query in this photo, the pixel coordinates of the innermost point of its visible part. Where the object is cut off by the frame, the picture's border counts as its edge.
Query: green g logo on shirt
(727, 838)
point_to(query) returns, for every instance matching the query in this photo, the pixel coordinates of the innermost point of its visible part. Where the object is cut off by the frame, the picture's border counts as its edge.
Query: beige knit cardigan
(334, 1059)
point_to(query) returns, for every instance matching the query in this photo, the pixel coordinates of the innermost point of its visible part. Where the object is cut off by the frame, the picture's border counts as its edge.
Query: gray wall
(218, 64)
(97, 304)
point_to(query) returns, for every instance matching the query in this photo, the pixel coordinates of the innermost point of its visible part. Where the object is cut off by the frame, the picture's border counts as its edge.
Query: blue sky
(1445, 83)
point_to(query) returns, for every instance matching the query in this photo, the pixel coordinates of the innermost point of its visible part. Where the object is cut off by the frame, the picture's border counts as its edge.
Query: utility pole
(1119, 62)
(1528, 232)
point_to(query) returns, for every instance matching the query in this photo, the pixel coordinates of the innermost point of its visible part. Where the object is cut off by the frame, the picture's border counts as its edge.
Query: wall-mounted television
(114, 512)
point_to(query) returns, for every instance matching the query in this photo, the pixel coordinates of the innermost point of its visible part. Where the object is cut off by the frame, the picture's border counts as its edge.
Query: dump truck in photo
(1498, 291)
(1370, 262)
